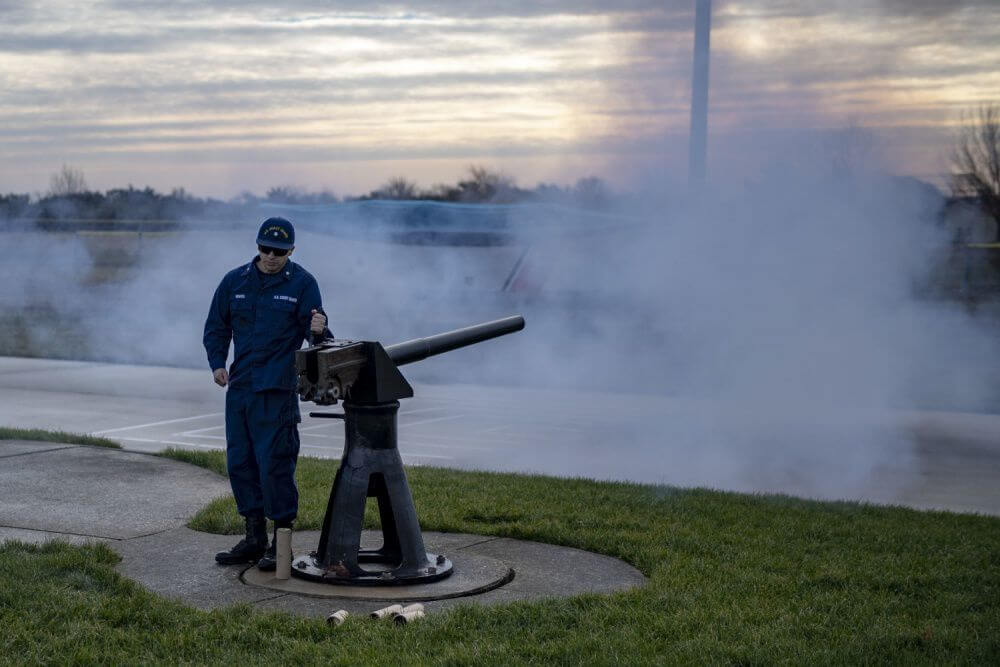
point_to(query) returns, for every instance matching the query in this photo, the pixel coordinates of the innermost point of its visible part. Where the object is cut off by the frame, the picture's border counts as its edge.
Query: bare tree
(291, 194)
(284, 194)
(68, 181)
(397, 187)
(976, 160)
(484, 185)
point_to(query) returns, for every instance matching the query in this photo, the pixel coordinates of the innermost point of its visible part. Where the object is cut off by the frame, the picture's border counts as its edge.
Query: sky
(221, 97)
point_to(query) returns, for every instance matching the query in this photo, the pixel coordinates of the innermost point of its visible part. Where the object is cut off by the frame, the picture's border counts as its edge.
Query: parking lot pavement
(922, 459)
(151, 408)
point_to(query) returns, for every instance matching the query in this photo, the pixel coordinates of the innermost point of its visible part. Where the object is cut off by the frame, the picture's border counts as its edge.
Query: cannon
(365, 377)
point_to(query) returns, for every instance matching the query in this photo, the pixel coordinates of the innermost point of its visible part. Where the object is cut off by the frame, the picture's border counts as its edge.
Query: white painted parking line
(461, 439)
(427, 456)
(421, 455)
(318, 448)
(415, 411)
(201, 430)
(421, 442)
(222, 437)
(314, 427)
(167, 421)
(334, 422)
(321, 437)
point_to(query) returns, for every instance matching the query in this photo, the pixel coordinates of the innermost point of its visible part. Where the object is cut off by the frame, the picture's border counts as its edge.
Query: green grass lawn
(733, 579)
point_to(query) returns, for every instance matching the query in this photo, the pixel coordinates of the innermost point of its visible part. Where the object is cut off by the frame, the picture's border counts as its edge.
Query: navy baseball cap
(276, 233)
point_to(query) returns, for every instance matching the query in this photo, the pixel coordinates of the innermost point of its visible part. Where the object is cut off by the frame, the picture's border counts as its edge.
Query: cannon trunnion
(365, 376)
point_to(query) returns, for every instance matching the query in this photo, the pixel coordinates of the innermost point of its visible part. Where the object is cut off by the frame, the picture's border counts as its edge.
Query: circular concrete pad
(138, 504)
(472, 574)
(539, 571)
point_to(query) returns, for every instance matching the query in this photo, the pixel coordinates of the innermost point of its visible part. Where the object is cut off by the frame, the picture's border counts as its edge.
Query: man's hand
(221, 376)
(318, 323)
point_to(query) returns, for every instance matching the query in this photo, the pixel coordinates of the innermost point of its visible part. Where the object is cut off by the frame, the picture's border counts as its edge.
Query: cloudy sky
(221, 96)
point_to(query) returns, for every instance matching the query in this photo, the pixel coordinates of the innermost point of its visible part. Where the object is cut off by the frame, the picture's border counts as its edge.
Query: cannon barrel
(421, 348)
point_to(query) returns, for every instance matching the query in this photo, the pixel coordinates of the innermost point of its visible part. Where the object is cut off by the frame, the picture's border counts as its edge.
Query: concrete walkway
(138, 504)
(76, 493)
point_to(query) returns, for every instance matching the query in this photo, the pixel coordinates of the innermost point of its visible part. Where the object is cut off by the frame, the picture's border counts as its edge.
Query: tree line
(69, 198)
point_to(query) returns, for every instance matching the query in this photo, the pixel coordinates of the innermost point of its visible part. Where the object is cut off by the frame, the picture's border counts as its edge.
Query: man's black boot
(268, 563)
(250, 548)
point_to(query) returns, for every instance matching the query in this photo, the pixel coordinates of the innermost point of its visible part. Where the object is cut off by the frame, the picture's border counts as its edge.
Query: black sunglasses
(268, 250)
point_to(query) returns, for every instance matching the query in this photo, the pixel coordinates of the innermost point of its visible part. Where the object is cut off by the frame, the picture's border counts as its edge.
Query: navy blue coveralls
(267, 317)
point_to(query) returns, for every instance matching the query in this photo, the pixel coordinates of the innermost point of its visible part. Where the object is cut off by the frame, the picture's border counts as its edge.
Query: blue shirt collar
(286, 273)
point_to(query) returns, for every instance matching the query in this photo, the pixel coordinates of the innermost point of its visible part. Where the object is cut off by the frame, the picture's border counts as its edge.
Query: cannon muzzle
(421, 348)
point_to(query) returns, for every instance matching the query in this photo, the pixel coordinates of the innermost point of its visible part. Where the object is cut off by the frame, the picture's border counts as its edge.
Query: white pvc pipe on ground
(416, 606)
(391, 610)
(407, 617)
(337, 617)
(283, 554)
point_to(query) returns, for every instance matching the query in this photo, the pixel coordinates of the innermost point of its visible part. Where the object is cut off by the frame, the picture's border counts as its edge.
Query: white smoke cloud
(764, 337)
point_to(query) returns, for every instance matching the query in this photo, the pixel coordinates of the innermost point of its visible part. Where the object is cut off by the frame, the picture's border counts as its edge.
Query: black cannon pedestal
(371, 467)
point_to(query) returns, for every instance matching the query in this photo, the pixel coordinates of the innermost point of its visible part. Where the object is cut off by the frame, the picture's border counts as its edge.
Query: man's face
(269, 261)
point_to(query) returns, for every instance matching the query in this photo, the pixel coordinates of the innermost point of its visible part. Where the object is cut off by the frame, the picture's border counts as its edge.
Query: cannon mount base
(371, 467)
(389, 574)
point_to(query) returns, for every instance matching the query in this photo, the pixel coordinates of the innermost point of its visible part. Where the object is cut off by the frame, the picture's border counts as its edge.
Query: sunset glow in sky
(220, 97)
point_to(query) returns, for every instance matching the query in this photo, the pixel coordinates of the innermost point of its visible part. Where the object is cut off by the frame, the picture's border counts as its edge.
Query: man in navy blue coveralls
(267, 307)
